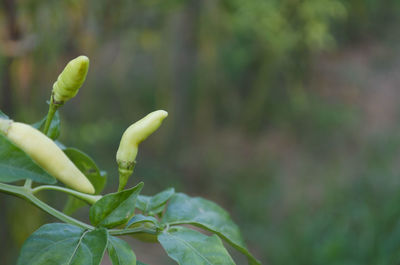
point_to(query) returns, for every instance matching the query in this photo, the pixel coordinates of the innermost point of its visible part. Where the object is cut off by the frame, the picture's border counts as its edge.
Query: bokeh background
(285, 112)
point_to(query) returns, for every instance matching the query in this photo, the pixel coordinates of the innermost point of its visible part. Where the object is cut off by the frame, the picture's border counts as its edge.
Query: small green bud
(132, 137)
(70, 80)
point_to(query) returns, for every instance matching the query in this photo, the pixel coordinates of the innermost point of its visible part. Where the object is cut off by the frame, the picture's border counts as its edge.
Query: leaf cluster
(162, 218)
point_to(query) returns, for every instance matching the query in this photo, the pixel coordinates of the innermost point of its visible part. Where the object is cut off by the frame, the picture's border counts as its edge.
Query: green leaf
(148, 222)
(89, 168)
(115, 208)
(189, 247)
(139, 219)
(203, 213)
(64, 244)
(15, 165)
(54, 130)
(4, 116)
(154, 204)
(120, 252)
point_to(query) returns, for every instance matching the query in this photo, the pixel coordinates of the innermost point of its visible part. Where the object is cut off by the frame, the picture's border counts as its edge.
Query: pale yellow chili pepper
(46, 154)
(132, 137)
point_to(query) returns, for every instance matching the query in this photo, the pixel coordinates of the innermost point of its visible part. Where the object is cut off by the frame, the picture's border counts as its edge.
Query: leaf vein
(191, 247)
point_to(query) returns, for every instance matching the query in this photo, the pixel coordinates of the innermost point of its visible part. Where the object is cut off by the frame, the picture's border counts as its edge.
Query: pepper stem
(52, 110)
(124, 175)
(91, 199)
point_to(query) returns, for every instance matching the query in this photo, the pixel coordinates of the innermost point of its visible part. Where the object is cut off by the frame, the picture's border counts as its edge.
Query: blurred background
(285, 112)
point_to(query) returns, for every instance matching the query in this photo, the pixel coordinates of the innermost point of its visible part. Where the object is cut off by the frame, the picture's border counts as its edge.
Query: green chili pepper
(70, 80)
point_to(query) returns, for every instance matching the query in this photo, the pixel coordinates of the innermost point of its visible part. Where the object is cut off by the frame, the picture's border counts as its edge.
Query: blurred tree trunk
(184, 64)
(14, 34)
(6, 99)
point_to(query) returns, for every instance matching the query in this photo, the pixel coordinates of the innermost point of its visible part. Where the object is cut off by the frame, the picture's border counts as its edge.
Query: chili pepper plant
(32, 154)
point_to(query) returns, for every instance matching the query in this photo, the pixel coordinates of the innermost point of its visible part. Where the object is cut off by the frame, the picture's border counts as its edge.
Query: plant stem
(26, 193)
(11, 189)
(59, 215)
(52, 110)
(28, 183)
(91, 199)
(121, 232)
(124, 175)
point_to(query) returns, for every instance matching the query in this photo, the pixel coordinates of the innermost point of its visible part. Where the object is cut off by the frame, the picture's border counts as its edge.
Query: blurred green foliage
(250, 126)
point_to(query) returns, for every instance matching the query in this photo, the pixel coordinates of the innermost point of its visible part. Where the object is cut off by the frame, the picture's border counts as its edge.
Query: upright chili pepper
(132, 137)
(70, 80)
